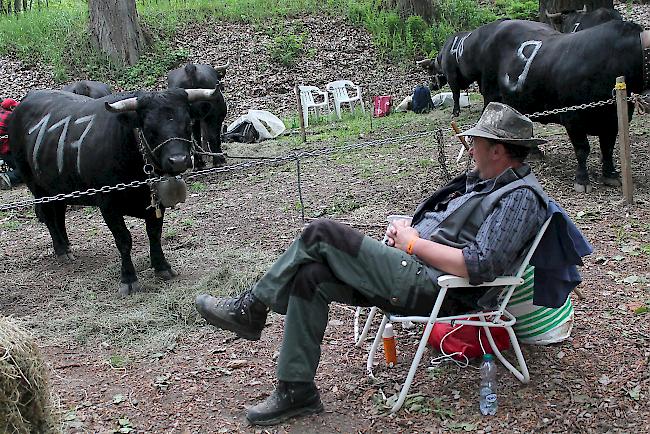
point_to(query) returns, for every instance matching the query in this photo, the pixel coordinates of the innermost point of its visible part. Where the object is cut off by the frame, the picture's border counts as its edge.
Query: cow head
(436, 76)
(165, 124)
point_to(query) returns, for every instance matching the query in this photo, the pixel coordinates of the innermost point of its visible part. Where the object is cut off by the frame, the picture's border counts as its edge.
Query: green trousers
(333, 262)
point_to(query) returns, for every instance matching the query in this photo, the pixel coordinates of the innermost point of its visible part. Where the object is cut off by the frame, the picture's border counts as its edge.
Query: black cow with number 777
(64, 143)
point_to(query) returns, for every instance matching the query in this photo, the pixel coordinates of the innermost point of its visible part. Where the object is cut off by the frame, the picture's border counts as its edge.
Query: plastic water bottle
(390, 349)
(488, 389)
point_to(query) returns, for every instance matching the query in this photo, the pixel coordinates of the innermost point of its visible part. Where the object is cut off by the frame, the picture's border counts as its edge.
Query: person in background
(11, 176)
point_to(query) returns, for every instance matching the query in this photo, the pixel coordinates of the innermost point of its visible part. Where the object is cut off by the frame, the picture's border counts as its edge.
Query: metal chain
(222, 169)
(573, 108)
(442, 157)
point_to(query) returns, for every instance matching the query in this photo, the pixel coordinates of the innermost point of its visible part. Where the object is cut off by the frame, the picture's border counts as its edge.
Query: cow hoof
(582, 188)
(612, 182)
(456, 114)
(129, 288)
(65, 258)
(166, 274)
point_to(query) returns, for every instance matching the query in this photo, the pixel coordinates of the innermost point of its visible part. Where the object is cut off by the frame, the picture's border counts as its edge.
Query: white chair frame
(487, 320)
(307, 101)
(340, 95)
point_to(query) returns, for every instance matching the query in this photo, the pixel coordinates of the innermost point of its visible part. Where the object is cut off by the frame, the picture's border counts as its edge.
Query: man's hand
(400, 233)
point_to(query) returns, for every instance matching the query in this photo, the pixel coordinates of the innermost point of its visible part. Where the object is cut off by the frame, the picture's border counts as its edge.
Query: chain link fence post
(624, 139)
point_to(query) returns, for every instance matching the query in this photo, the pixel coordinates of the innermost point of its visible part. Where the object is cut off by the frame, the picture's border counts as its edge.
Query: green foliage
(286, 47)
(523, 10)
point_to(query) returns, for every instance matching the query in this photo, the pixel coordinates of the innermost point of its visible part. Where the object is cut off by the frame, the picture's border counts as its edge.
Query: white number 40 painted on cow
(42, 128)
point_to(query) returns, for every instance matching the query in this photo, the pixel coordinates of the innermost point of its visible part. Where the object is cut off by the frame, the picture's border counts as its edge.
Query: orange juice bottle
(390, 350)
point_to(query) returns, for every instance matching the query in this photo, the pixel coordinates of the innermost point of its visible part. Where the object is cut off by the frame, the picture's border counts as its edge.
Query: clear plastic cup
(395, 217)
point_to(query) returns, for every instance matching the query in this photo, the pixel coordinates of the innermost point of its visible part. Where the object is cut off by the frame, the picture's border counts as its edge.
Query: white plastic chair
(340, 95)
(308, 101)
(487, 320)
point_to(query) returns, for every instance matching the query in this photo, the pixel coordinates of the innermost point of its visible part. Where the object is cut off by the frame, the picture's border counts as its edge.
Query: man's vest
(459, 229)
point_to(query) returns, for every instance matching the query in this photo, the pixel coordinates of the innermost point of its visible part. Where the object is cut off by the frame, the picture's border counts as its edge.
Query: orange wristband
(410, 245)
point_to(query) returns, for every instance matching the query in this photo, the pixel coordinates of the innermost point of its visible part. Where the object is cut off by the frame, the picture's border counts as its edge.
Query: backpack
(421, 102)
(245, 132)
(381, 105)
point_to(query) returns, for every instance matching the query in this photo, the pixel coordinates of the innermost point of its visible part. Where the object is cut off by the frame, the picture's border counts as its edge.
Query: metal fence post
(303, 133)
(624, 135)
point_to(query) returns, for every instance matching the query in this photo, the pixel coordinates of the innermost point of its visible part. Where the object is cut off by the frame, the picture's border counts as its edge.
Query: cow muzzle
(176, 164)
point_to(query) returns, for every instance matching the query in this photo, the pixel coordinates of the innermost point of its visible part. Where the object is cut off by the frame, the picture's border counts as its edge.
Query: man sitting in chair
(477, 226)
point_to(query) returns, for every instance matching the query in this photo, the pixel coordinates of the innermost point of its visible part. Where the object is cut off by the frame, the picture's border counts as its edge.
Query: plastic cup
(395, 217)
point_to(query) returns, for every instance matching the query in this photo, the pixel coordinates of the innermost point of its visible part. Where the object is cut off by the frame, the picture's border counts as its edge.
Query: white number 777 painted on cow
(60, 149)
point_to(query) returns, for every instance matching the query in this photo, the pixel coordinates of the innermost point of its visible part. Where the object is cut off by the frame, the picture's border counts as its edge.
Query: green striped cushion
(535, 323)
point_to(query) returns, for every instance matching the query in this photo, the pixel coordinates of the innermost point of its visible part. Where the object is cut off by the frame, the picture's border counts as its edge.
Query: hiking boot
(245, 315)
(289, 399)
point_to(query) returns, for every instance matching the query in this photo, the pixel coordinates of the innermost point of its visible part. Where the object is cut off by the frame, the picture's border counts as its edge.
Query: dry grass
(25, 397)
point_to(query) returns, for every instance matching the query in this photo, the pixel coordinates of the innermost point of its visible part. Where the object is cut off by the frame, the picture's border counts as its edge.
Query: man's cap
(504, 124)
(8, 104)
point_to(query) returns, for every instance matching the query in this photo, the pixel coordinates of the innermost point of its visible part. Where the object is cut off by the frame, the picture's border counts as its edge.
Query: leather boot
(244, 315)
(289, 399)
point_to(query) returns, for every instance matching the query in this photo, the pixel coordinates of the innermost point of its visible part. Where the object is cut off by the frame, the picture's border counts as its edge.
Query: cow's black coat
(208, 115)
(93, 89)
(108, 155)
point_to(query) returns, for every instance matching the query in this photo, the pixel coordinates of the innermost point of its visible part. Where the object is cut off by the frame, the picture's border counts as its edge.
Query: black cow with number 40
(64, 142)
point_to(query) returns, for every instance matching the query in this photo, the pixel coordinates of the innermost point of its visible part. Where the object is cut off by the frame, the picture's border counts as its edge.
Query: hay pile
(25, 398)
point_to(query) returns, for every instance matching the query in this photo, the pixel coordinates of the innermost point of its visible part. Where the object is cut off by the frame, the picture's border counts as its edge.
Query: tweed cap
(504, 124)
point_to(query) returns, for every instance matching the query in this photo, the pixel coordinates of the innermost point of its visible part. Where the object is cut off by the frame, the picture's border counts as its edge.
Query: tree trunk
(115, 29)
(407, 8)
(16, 6)
(558, 6)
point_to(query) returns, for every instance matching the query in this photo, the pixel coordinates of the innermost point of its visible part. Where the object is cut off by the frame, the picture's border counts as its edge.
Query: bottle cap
(488, 357)
(388, 331)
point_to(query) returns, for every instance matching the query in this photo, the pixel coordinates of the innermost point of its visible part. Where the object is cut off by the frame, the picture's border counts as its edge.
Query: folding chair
(498, 317)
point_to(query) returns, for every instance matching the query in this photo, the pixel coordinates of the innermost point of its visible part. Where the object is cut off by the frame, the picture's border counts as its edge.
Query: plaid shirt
(505, 232)
(4, 141)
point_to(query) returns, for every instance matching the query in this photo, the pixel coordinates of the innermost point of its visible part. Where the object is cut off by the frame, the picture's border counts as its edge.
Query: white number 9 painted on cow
(514, 87)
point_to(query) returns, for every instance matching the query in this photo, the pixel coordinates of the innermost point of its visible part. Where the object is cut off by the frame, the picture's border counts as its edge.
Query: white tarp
(268, 125)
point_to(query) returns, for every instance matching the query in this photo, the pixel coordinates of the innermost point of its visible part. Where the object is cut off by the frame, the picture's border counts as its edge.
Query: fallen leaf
(118, 398)
(631, 279)
(618, 258)
(635, 392)
(239, 363)
(604, 380)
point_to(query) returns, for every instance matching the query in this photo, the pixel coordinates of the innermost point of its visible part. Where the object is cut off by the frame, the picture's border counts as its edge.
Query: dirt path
(148, 363)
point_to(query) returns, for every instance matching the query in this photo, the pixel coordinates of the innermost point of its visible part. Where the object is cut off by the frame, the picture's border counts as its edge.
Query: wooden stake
(624, 135)
(303, 133)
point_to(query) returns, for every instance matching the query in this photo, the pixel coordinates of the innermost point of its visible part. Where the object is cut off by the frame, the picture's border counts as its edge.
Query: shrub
(285, 49)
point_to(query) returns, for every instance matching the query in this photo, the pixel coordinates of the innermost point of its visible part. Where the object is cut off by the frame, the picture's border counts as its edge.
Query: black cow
(534, 68)
(93, 89)
(64, 142)
(574, 21)
(450, 66)
(209, 115)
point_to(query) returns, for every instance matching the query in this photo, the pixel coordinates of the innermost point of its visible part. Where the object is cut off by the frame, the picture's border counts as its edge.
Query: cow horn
(555, 15)
(200, 94)
(124, 105)
(583, 10)
(423, 63)
(222, 68)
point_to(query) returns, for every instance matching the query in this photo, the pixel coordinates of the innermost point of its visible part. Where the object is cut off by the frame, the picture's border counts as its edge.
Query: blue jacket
(559, 251)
